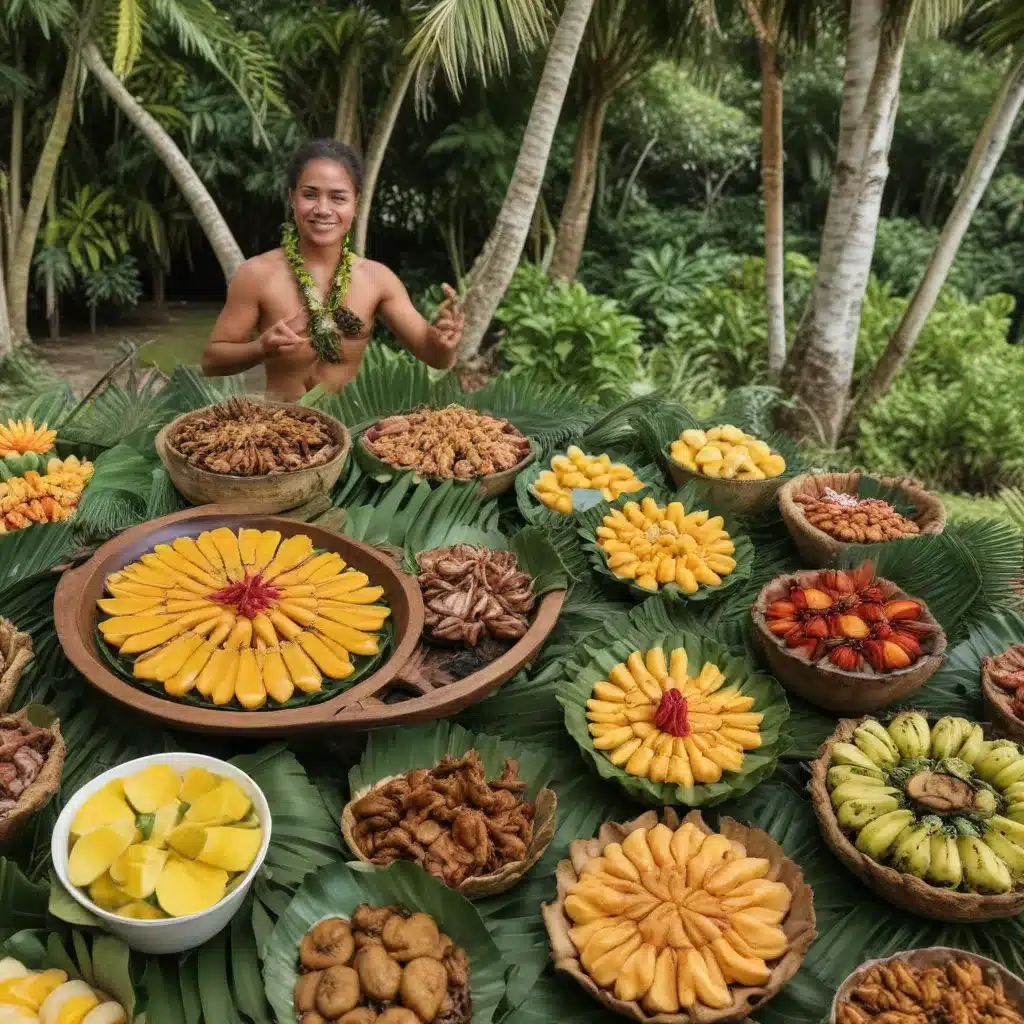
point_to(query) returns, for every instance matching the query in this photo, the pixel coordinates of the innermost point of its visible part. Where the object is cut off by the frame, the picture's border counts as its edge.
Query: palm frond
(187, 390)
(49, 16)
(118, 412)
(164, 497)
(23, 553)
(997, 24)
(117, 496)
(130, 20)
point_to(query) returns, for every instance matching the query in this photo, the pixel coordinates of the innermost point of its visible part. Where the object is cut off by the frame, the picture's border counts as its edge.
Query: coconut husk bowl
(743, 497)
(999, 706)
(829, 687)
(933, 956)
(903, 890)
(267, 494)
(15, 654)
(46, 783)
(799, 923)
(477, 886)
(820, 549)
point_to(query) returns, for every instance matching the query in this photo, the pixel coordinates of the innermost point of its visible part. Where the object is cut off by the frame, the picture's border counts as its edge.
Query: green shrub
(569, 335)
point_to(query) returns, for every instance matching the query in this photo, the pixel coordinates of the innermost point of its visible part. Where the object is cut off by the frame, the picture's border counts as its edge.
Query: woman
(313, 300)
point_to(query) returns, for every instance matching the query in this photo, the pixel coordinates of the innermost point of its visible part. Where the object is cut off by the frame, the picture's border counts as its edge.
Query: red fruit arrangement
(844, 617)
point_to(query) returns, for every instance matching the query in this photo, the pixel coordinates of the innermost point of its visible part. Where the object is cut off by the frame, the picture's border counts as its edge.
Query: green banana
(985, 802)
(949, 735)
(840, 773)
(872, 727)
(875, 749)
(855, 814)
(861, 790)
(983, 870)
(1014, 794)
(847, 753)
(1000, 755)
(1007, 851)
(1016, 812)
(910, 732)
(945, 868)
(912, 850)
(972, 747)
(877, 836)
(1011, 829)
(1010, 774)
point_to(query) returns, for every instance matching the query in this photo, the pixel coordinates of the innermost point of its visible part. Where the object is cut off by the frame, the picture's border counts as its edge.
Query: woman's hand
(449, 321)
(283, 340)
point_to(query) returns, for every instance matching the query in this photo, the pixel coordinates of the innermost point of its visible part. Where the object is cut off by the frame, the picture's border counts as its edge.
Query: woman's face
(324, 202)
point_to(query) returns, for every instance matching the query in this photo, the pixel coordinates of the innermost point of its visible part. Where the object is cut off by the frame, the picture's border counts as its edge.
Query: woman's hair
(325, 149)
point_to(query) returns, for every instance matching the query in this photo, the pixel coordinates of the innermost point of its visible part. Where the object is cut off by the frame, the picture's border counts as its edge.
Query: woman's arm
(436, 344)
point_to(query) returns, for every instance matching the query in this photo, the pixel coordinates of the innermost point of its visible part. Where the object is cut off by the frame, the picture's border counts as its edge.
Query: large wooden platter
(75, 616)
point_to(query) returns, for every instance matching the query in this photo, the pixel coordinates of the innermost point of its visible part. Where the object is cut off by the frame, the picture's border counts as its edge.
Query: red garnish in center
(249, 596)
(671, 715)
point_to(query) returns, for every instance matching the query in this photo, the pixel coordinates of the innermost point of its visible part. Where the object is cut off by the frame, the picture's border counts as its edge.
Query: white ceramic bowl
(171, 934)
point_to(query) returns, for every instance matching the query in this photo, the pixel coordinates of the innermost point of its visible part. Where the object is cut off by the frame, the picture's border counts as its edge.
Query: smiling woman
(313, 301)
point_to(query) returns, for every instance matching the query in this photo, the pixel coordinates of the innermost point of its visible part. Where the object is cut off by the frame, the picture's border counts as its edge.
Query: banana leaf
(692, 495)
(593, 664)
(340, 888)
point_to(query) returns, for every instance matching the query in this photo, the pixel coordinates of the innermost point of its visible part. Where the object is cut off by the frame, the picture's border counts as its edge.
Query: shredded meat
(23, 750)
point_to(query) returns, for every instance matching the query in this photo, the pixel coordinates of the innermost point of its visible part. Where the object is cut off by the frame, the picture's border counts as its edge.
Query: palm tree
(461, 37)
(1004, 30)
(491, 273)
(819, 368)
(624, 39)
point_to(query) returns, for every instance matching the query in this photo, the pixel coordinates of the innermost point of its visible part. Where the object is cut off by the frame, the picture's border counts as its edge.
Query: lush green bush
(569, 335)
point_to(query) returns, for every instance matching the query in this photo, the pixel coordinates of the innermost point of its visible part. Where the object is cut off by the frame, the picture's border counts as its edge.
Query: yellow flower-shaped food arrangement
(576, 469)
(672, 919)
(727, 452)
(242, 616)
(655, 721)
(655, 545)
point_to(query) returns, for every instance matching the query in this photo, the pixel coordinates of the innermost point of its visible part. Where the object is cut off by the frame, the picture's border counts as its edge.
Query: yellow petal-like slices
(242, 616)
(672, 919)
(657, 722)
(655, 546)
(728, 453)
(576, 469)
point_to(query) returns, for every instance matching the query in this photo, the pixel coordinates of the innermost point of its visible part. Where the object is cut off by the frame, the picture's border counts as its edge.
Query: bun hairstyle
(325, 149)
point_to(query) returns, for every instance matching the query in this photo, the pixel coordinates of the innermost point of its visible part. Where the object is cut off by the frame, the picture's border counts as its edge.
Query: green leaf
(340, 888)
(22, 904)
(65, 907)
(111, 968)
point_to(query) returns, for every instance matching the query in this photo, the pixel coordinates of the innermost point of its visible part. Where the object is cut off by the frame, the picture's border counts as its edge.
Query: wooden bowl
(819, 549)
(46, 783)
(268, 494)
(828, 687)
(476, 886)
(998, 706)
(934, 956)
(902, 890)
(798, 925)
(744, 497)
(75, 616)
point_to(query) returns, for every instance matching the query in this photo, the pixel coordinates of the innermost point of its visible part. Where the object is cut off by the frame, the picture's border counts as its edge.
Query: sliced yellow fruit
(304, 674)
(188, 840)
(233, 849)
(188, 887)
(151, 788)
(143, 870)
(249, 688)
(324, 658)
(351, 639)
(141, 911)
(292, 552)
(188, 548)
(107, 894)
(221, 806)
(107, 806)
(198, 781)
(94, 853)
(275, 676)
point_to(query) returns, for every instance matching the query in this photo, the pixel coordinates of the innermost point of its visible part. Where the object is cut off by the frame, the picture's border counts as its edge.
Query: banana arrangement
(47, 997)
(241, 616)
(656, 546)
(653, 720)
(672, 919)
(941, 803)
(577, 470)
(726, 452)
(50, 498)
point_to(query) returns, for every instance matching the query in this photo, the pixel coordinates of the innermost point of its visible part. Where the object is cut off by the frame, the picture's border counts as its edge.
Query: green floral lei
(326, 321)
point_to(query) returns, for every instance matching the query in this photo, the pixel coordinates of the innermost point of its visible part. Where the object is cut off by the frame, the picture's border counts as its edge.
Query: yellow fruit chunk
(292, 552)
(325, 659)
(221, 806)
(151, 788)
(143, 865)
(188, 887)
(275, 677)
(197, 782)
(31, 990)
(249, 688)
(233, 849)
(188, 840)
(106, 894)
(141, 912)
(351, 639)
(107, 806)
(93, 854)
(303, 673)
(164, 819)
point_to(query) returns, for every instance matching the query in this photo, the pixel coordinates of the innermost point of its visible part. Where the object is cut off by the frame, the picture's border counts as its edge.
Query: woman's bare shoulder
(381, 277)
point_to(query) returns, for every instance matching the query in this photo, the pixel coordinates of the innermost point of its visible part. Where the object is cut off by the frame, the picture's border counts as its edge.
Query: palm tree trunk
(346, 115)
(988, 150)
(52, 311)
(21, 260)
(219, 235)
(774, 225)
(497, 262)
(572, 227)
(375, 150)
(819, 370)
(6, 335)
(17, 160)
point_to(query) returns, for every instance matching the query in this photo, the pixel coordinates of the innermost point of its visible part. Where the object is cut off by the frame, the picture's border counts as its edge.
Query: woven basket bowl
(744, 497)
(15, 655)
(903, 890)
(819, 549)
(828, 687)
(799, 923)
(46, 783)
(267, 494)
(998, 707)
(934, 956)
(477, 886)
